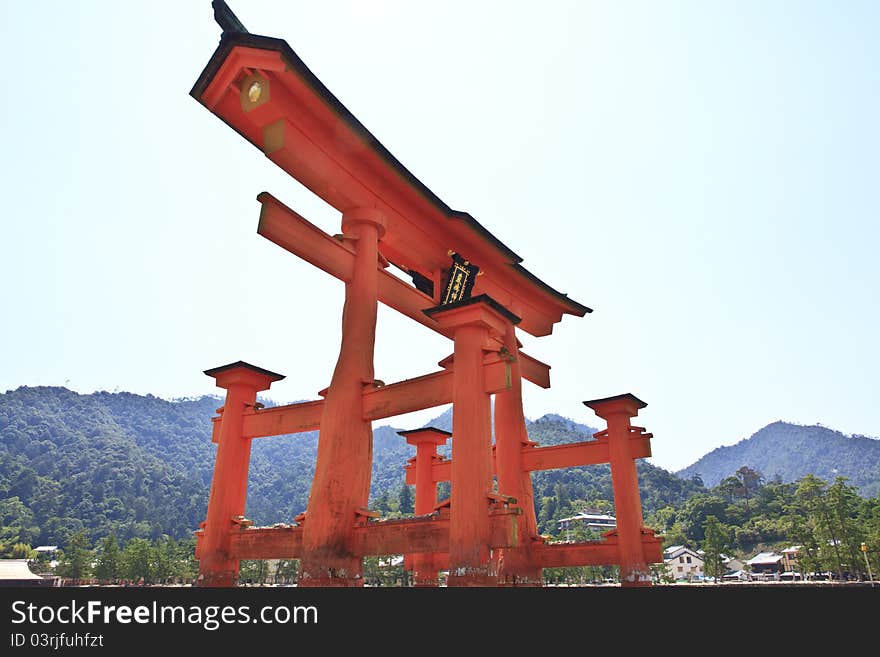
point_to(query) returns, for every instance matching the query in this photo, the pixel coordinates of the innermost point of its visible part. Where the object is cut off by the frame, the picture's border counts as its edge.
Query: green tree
(661, 573)
(751, 481)
(811, 493)
(730, 488)
(76, 561)
(872, 535)
(286, 571)
(406, 500)
(693, 516)
(17, 524)
(137, 561)
(844, 504)
(382, 503)
(22, 551)
(186, 557)
(109, 560)
(166, 562)
(253, 571)
(801, 531)
(715, 544)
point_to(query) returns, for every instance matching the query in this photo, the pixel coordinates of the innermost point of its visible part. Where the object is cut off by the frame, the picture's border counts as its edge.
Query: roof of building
(16, 569)
(595, 517)
(46, 548)
(764, 558)
(680, 550)
(794, 549)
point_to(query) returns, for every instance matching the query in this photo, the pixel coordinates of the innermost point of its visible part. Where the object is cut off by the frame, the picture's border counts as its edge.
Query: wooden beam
(413, 536)
(565, 456)
(407, 396)
(534, 370)
(566, 555)
(282, 420)
(409, 535)
(428, 534)
(292, 232)
(552, 457)
(387, 401)
(266, 543)
(497, 375)
(598, 553)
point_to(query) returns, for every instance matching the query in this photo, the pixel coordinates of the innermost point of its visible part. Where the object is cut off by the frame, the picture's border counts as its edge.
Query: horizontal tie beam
(409, 535)
(294, 233)
(379, 402)
(571, 455)
(595, 553)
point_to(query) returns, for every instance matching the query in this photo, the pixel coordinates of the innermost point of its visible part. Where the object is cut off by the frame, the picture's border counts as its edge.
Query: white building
(597, 522)
(684, 564)
(765, 565)
(15, 572)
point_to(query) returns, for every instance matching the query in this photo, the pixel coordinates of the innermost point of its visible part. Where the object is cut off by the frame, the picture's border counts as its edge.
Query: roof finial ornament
(225, 18)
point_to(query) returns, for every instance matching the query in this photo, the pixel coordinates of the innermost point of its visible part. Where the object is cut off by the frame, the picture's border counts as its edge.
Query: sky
(704, 175)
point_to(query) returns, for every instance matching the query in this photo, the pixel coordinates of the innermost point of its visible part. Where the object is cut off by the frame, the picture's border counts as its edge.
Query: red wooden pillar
(617, 411)
(472, 322)
(229, 484)
(516, 566)
(426, 441)
(341, 485)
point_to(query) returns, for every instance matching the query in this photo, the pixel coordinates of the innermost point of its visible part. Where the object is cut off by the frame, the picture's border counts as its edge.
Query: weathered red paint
(420, 537)
(217, 565)
(473, 325)
(341, 484)
(515, 566)
(426, 442)
(484, 536)
(617, 411)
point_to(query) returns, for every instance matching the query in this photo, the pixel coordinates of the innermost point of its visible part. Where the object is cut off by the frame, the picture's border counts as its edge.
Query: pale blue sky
(704, 175)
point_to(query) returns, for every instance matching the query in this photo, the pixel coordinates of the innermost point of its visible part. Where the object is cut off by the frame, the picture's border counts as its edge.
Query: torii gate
(483, 535)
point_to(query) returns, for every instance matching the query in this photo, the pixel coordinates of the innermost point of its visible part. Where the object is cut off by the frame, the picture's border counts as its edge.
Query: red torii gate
(259, 86)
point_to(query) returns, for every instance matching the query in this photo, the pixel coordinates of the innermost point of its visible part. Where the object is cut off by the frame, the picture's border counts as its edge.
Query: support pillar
(341, 485)
(516, 566)
(617, 411)
(217, 567)
(473, 323)
(426, 441)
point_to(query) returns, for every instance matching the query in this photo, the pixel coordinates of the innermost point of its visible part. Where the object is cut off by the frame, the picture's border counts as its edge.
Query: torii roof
(308, 132)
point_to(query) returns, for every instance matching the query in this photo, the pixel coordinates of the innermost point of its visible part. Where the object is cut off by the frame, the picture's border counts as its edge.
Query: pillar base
(517, 568)
(636, 576)
(221, 579)
(528, 580)
(426, 584)
(343, 573)
(331, 582)
(472, 577)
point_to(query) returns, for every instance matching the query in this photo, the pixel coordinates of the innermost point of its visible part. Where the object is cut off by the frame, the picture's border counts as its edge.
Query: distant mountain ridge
(140, 465)
(791, 451)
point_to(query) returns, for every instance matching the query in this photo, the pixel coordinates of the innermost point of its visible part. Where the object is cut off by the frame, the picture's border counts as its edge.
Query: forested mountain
(140, 466)
(790, 451)
(101, 462)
